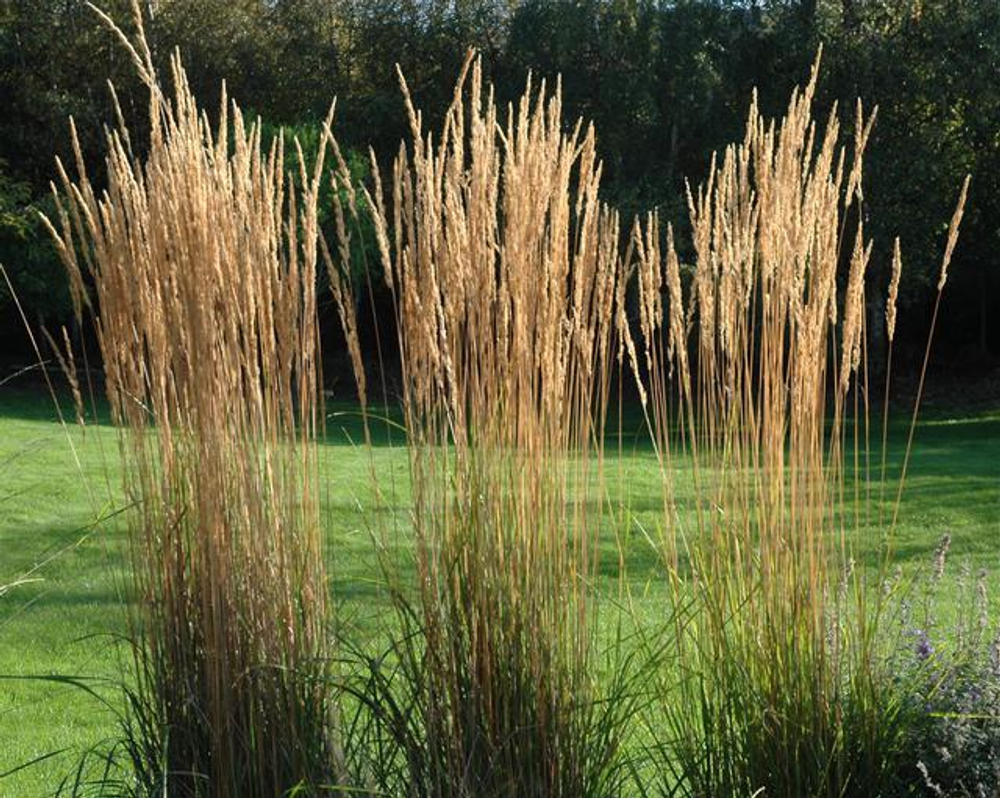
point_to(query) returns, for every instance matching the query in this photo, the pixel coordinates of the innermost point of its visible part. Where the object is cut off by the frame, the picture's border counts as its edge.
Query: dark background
(665, 83)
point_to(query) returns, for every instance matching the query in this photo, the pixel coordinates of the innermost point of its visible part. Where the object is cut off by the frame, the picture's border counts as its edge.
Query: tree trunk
(984, 291)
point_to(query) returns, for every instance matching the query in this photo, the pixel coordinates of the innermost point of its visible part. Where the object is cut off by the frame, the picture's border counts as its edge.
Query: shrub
(949, 658)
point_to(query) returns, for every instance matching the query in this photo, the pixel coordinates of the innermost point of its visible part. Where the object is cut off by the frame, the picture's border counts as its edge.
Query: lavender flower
(924, 647)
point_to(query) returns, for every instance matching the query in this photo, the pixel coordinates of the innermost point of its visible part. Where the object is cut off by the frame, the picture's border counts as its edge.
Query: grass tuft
(758, 375)
(202, 259)
(504, 269)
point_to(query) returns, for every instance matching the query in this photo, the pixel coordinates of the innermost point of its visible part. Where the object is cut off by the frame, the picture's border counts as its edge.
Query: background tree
(665, 81)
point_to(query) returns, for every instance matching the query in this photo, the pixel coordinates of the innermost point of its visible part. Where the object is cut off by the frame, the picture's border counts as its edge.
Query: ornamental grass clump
(756, 378)
(199, 262)
(504, 269)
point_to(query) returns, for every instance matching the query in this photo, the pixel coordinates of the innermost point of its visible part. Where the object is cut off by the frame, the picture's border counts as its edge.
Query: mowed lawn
(61, 532)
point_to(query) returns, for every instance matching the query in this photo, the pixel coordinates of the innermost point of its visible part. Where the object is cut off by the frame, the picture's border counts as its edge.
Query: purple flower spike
(924, 648)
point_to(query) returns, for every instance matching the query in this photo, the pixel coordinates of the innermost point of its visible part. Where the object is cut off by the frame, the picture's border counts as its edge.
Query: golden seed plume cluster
(202, 257)
(761, 378)
(504, 268)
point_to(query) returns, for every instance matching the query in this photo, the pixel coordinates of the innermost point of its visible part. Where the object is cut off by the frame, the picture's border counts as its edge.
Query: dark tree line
(665, 81)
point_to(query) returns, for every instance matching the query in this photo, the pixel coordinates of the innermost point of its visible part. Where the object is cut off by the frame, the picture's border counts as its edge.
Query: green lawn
(56, 486)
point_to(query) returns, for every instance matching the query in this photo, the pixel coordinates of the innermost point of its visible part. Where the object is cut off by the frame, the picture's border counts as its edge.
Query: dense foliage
(665, 81)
